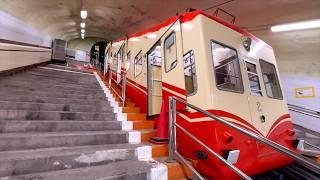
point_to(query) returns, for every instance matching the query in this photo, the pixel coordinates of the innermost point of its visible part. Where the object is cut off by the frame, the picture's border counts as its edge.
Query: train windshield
(270, 80)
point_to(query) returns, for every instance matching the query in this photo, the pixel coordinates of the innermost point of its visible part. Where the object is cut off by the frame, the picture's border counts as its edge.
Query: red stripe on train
(174, 88)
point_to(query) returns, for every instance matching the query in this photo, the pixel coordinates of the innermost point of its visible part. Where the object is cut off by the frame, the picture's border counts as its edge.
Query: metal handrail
(124, 83)
(311, 145)
(172, 139)
(304, 111)
(303, 108)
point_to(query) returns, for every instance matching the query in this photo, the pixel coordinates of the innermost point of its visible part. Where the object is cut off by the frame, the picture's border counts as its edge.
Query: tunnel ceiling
(111, 19)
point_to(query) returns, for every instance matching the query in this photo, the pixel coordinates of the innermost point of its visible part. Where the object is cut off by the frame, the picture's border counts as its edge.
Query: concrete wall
(298, 58)
(299, 70)
(21, 44)
(83, 44)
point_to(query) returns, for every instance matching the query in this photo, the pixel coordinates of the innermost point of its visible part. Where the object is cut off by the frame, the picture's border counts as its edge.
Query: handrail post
(124, 79)
(172, 140)
(110, 76)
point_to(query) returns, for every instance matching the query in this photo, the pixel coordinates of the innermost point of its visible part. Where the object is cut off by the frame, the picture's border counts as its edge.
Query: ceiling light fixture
(83, 30)
(84, 14)
(82, 25)
(296, 26)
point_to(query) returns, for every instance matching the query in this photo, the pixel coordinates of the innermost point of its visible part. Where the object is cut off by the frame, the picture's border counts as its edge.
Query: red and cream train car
(218, 67)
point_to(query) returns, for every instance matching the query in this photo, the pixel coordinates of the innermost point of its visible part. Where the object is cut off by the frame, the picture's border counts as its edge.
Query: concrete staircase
(63, 124)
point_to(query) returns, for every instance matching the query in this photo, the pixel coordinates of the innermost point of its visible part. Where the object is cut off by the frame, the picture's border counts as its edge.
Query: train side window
(254, 84)
(270, 79)
(170, 52)
(138, 64)
(190, 73)
(227, 68)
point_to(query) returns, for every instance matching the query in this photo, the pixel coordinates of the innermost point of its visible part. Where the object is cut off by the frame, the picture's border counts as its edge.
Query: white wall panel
(14, 29)
(20, 44)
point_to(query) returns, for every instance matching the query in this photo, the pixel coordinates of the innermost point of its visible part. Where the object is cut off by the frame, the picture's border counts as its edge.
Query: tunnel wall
(20, 44)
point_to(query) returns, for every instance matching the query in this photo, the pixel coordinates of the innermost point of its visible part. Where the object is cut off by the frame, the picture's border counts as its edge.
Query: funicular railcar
(218, 67)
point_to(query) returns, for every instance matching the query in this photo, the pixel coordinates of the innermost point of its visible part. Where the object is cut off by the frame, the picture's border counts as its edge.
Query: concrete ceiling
(110, 19)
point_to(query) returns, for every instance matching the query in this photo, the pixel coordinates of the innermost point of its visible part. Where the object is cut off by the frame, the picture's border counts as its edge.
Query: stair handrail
(122, 97)
(173, 145)
(304, 111)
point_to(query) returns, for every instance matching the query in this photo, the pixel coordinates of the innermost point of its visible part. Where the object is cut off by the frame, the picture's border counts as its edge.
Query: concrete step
(49, 86)
(68, 68)
(50, 90)
(57, 76)
(26, 81)
(62, 74)
(52, 94)
(44, 77)
(55, 115)
(52, 159)
(124, 170)
(20, 141)
(52, 100)
(10, 105)
(19, 126)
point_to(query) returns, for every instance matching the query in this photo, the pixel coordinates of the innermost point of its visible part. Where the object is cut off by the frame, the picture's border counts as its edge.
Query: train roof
(189, 16)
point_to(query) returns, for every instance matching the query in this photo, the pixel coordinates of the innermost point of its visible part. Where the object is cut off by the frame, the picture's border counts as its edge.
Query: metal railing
(122, 80)
(304, 111)
(173, 141)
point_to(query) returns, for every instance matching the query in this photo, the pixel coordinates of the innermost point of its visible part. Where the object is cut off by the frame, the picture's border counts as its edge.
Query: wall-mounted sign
(305, 92)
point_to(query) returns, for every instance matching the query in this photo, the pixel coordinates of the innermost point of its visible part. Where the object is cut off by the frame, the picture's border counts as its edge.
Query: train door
(173, 79)
(265, 99)
(154, 59)
(106, 60)
(118, 64)
(256, 100)
(166, 70)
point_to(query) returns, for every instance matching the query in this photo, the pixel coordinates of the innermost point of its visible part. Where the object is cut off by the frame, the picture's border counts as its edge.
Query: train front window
(138, 64)
(190, 73)
(226, 66)
(170, 52)
(270, 79)
(253, 77)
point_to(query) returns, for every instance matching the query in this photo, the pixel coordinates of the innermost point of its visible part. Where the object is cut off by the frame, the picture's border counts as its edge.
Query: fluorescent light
(83, 14)
(82, 25)
(296, 26)
(82, 37)
(83, 30)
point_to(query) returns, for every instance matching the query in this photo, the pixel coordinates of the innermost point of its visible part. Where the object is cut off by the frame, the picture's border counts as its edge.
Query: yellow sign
(305, 92)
